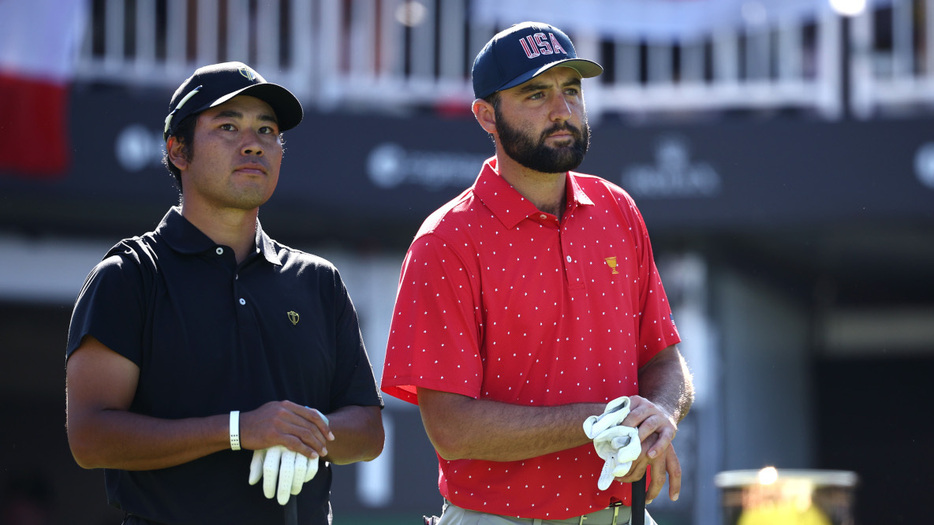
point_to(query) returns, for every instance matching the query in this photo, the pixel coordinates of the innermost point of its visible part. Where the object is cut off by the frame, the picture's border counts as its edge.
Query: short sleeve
(110, 307)
(434, 339)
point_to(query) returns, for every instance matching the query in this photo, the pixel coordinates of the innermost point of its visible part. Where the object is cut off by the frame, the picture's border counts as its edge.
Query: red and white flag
(39, 42)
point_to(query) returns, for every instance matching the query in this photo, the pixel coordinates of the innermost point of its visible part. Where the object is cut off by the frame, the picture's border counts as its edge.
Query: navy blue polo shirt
(211, 336)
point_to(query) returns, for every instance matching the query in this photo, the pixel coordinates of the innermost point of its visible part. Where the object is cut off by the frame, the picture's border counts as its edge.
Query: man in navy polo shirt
(211, 371)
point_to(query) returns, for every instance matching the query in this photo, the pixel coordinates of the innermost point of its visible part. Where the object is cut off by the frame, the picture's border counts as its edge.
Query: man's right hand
(298, 428)
(282, 470)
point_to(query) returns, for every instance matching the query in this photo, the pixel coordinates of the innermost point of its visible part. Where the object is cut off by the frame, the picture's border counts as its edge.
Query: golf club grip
(638, 502)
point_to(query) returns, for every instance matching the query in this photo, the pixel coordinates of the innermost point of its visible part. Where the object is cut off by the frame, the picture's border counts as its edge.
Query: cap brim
(586, 68)
(288, 109)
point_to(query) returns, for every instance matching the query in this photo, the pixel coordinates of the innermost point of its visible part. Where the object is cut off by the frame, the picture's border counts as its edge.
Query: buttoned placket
(219, 250)
(247, 324)
(566, 259)
(572, 273)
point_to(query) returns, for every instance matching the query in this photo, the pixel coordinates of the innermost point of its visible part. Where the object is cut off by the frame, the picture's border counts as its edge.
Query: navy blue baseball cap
(215, 84)
(523, 52)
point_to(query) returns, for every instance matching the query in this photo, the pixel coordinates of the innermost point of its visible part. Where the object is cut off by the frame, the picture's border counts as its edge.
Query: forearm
(104, 433)
(123, 440)
(460, 427)
(358, 434)
(666, 381)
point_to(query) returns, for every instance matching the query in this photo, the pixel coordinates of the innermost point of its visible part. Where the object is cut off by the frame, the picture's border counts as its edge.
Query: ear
(174, 149)
(485, 115)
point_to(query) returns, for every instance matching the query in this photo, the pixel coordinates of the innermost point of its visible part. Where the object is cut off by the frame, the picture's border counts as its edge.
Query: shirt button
(242, 301)
(219, 251)
(569, 258)
(543, 216)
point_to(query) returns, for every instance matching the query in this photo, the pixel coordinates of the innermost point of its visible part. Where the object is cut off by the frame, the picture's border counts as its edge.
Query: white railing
(892, 59)
(396, 55)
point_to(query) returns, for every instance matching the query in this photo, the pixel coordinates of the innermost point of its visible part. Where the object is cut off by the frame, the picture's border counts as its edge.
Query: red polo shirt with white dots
(498, 300)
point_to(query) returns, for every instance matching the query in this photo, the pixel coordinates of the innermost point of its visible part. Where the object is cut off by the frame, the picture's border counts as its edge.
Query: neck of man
(547, 191)
(234, 228)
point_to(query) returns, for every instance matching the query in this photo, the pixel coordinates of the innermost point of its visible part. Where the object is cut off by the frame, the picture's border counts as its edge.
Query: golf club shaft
(291, 511)
(638, 502)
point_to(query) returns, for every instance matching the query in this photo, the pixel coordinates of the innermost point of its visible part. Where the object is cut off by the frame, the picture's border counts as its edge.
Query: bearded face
(530, 149)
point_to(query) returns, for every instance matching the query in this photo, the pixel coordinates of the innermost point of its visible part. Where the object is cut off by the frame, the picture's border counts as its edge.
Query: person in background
(531, 326)
(205, 357)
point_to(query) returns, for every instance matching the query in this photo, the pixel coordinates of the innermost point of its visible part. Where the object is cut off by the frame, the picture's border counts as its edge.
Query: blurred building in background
(781, 152)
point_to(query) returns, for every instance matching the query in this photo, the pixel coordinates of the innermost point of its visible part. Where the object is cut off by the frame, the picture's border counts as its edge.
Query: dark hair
(185, 135)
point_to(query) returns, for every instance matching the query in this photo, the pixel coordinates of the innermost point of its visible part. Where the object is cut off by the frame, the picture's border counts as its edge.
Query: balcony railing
(403, 55)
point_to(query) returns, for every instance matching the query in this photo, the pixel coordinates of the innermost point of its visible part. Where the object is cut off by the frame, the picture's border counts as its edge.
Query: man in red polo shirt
(530, 302)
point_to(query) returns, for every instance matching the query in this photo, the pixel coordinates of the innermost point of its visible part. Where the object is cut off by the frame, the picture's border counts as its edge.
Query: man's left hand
(657, 429)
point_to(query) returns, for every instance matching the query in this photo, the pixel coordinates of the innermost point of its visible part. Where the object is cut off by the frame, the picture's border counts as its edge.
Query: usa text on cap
(522, 52)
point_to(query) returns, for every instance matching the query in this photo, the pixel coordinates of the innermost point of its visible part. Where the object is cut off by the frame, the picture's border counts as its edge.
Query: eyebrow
(230, 113)
(536, 86)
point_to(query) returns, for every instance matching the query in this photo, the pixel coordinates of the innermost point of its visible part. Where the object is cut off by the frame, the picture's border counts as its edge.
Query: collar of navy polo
(184, 237)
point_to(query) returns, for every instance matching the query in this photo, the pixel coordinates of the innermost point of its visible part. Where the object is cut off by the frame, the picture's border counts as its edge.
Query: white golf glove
(617, 445)
(283, 472)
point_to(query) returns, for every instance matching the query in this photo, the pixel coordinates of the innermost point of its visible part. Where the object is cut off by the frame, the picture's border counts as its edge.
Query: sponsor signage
(346, 172)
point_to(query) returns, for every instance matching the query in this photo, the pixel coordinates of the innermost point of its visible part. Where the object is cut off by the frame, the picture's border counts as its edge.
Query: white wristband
(234, 430)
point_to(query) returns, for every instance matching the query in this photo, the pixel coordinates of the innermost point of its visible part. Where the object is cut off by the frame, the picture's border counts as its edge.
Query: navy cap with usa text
(215, 84)
(523, 52)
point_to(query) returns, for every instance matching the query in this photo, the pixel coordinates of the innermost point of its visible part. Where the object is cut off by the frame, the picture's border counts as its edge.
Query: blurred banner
(360, 175)
(38, 45)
